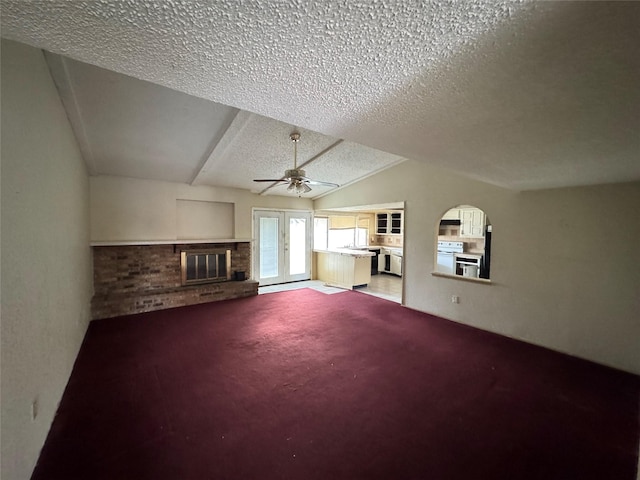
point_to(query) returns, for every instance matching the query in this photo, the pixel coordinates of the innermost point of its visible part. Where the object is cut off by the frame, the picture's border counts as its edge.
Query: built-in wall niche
(198, 219)
(463, 246)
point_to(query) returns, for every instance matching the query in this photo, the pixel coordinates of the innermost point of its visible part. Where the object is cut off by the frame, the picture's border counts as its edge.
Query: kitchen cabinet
(396, 265)
(472, 222)
(361, 271)
(374, 260)
(468, 264)
(396, 223)
(382, 223)
(390, 261)
(345, 269)
(389, 223)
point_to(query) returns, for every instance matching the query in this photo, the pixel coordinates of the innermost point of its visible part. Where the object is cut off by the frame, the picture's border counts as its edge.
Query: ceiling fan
(295, 176)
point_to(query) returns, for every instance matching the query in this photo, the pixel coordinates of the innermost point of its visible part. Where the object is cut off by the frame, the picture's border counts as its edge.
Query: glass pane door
(283, 246)
(269, 244)
(269, 248)
(298, 246)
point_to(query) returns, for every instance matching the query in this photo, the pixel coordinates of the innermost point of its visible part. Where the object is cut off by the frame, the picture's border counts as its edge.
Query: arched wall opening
(463, 247)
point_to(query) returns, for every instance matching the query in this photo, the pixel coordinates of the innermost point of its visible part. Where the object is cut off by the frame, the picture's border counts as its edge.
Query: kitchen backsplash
(451, 233)
(471, 245)
(390, 240)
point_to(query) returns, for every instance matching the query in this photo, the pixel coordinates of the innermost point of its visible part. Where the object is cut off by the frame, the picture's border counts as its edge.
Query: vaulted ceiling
(524, 95)
(133, 128)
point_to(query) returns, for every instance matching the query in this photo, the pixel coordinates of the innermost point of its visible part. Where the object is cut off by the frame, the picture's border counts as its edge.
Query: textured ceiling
(520, 94)
(262, 146)
(133, 128)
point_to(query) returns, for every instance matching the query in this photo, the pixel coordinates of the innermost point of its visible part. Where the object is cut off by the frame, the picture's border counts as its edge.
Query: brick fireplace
(140, 278)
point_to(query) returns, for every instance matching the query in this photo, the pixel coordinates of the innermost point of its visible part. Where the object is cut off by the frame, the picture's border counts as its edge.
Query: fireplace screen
(203, 267)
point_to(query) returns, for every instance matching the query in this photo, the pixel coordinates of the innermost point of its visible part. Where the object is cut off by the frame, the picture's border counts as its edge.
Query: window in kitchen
(340, 238)
(340, 231)
(362, 232)
(320, 232)
(463, 246)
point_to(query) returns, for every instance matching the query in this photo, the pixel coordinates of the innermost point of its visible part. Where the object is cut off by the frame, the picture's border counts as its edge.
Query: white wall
(565, 266)
(46, 263)
(131, 209)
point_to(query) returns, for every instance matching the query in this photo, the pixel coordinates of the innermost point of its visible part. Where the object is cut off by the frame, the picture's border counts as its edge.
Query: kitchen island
(344, 267)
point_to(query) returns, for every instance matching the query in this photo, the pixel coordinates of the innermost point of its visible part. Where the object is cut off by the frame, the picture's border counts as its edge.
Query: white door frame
(284, 216)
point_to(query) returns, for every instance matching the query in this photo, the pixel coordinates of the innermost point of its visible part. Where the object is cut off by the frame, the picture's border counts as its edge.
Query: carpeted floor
(302, 385)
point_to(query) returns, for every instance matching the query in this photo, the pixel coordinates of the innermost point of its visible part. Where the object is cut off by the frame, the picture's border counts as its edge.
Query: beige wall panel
(564, 270)
(129, 209)
(197, 219)
(46, 262)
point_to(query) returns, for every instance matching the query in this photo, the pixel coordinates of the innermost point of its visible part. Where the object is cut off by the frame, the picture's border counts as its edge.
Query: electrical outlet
(34, 409)
(455, 299)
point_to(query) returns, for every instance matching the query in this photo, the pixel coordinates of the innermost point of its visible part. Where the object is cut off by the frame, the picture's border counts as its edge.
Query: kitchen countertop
(348, 251)
(468, 254)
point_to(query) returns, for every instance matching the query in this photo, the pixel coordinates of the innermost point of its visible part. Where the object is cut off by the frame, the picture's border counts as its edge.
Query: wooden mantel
(181, 241)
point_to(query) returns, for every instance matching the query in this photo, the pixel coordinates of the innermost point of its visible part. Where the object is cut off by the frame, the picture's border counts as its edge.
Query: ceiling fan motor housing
(294, 173)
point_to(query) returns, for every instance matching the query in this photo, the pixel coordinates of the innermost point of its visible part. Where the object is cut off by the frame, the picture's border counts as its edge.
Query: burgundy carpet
(302, 385)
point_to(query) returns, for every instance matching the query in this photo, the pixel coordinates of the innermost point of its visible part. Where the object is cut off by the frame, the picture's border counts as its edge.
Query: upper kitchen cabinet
(389, 223)
(382, 223)
(396, 223)
(472, 222)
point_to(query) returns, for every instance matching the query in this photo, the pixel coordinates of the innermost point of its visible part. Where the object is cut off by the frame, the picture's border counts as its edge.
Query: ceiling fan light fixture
(298, 187)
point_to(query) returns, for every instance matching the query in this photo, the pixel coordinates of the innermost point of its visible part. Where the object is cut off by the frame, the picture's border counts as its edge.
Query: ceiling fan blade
(269, 180)
(318, 182)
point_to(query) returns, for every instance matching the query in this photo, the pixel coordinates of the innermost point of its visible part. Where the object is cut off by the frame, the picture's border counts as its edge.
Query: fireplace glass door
(205, 266)
(283, 246)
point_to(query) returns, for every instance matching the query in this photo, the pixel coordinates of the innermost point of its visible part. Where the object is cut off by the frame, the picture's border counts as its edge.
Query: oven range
(446, 256)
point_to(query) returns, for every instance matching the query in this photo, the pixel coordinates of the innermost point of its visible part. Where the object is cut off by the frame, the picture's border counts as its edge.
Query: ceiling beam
(62, 80)
(219, 145)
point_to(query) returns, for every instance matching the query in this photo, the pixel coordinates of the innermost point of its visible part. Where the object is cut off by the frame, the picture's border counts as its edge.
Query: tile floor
(384, 286)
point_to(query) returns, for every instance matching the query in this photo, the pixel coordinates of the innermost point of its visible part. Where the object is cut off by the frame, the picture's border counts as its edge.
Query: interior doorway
(378, 228)
(282, 246)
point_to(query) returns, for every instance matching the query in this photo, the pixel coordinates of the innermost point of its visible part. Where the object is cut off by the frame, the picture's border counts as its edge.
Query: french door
(282, 248)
